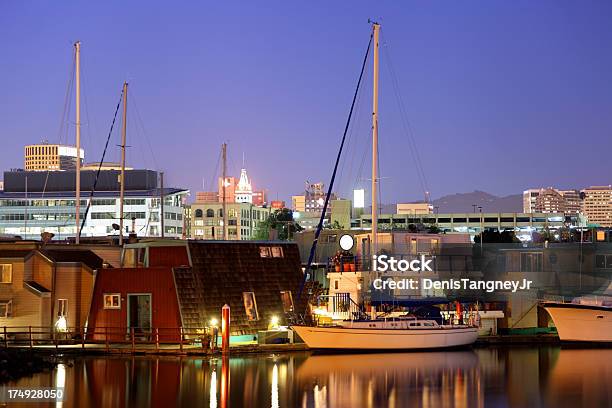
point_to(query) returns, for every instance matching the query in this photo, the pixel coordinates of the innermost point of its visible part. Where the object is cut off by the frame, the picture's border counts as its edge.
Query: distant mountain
(462, 202)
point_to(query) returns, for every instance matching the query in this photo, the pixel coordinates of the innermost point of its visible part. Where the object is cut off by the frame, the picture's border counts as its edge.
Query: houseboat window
(6, 273)
(250, 305)
(61, 307)
(277, 252)
(265, 252)
(112, 301)
(6, 308)
(287, 300)
(336, 284)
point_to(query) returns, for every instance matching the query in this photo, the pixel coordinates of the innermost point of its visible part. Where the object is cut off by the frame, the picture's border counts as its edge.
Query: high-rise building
(573, 202)
(597, 205)
(51, 157)
(529, 200)
(549, 200)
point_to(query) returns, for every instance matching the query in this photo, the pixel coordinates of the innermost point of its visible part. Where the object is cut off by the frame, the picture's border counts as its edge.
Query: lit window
(250, 305)
(112, 301)
(6, 308)
(61, 307)
(265, 252)
(287, 300)
(6, 273)
(277, 252)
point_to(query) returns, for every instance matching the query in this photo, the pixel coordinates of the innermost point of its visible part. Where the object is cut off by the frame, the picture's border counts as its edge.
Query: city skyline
(515, 93)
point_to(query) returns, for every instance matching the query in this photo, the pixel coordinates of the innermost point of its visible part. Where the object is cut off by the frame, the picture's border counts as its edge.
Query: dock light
(274, 322)
(214, 322)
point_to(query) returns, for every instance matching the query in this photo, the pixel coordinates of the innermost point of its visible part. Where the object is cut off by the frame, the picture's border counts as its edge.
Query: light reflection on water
(498, 377)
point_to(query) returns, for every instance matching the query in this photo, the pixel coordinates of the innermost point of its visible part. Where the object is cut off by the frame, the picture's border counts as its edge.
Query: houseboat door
(139, 312)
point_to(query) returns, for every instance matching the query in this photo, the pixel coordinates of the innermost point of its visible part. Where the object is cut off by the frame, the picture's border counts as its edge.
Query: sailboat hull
(577, 322)
(340, 338)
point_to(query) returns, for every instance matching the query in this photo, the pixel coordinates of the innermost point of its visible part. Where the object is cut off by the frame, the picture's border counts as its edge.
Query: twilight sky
(500, 96)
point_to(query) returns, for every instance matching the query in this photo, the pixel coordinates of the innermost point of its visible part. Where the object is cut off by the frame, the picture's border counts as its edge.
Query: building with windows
(523, 224)
(49, 285)
(414, 208)
(312, 200)
(236, 191)
(51, 157)
(597, 205)
(184, 284)
(529, 200)
(49, 204)
(550, 200)
(242, 220)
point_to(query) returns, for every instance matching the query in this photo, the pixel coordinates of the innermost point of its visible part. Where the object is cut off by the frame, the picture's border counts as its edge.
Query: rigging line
(93, 189)
(331, 184)
(352, 147)
(63, 120)
(405, 122)
(140, 122)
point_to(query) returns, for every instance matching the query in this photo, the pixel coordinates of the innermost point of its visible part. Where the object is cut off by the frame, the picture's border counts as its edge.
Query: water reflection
(504, 377)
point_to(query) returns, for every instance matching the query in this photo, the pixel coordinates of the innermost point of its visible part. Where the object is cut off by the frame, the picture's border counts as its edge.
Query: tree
(281, 222)
(334, 225)
(494, 237)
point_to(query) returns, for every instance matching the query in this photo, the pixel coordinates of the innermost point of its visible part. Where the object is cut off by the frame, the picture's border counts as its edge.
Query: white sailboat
(387, 335)
(581, 322)
(403, 333)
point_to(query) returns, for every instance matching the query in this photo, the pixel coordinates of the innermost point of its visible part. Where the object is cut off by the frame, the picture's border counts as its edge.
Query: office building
(51, 157)
(49, 204)
(597, 205)
(549, 200)
(529, 200)
(242, 220)
(552, 200)
(313, 199)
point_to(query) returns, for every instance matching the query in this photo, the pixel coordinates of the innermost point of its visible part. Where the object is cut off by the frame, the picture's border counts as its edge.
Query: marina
(279, 221)
(512, 377)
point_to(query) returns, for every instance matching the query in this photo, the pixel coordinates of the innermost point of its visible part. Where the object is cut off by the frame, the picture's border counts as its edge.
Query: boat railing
(340, 306)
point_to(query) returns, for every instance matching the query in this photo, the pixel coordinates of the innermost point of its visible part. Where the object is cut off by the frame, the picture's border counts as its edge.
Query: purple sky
(501, 96)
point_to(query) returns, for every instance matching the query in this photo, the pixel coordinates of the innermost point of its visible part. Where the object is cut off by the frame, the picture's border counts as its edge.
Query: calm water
(490, 377)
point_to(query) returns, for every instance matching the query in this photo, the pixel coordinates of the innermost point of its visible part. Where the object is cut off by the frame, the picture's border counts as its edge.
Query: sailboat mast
(122, 180)
(224, 186)
(376, 28)
(77, 49)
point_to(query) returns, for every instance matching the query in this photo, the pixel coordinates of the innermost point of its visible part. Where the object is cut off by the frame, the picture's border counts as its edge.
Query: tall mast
(376, 28)
(162, 216)
(224, 205)
(122, 180)
(77, 49)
